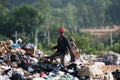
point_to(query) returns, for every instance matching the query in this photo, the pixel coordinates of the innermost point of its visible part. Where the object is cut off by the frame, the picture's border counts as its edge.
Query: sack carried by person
(76, 53)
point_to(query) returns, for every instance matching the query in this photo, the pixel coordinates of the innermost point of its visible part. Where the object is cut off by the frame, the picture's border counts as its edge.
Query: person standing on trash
(63, 47)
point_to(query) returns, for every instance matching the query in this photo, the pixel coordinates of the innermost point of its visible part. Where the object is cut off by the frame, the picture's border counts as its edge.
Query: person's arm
(54, 47)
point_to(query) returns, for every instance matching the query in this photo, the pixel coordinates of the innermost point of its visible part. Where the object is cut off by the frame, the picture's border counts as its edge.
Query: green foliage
(84, 40)
(43, 11)
(39, 46)
(116, 47)
(52, 44)
(27, 16)
(3, 38)
(86, 14)
(91, 50)
(116, 37)
(113, 12)
(48, 52)
(69, 13)
(96, 52)
(25, 38)
(107, 47)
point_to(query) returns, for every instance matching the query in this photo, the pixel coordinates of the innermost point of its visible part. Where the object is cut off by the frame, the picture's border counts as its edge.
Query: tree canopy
(44, 17)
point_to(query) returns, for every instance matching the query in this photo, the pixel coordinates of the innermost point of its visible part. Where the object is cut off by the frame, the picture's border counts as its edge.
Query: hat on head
(61, 30)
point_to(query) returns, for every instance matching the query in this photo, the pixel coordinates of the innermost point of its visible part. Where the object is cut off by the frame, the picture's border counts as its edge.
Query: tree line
(43, 16)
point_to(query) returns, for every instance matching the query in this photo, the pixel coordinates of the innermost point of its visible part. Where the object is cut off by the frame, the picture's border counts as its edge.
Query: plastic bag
(67, 59)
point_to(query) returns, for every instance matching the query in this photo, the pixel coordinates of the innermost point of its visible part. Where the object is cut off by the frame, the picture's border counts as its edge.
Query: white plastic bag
(67, 59)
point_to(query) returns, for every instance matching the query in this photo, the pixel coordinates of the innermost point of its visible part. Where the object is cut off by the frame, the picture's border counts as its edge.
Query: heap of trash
(110, 58)
(28, 63)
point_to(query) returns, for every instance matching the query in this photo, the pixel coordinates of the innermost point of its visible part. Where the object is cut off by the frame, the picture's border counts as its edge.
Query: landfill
(28, 63)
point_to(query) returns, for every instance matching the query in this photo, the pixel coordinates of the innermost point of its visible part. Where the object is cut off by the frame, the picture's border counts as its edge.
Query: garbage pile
(22, 64)
(110, 58)
(29, 64)
(116, 74)
(43, 70)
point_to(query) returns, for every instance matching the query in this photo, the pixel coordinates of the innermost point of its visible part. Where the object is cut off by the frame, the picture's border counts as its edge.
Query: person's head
(61, 31)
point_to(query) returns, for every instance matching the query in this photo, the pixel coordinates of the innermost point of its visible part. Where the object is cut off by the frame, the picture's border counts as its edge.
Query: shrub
(116, 47)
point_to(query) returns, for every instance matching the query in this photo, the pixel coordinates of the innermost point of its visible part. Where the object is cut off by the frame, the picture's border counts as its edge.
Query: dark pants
(72, 57)
(58, 54)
